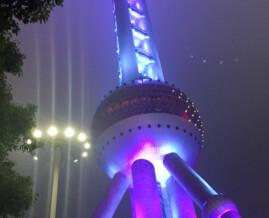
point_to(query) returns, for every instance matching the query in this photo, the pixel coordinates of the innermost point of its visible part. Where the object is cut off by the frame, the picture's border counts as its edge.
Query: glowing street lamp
(52, 131)
(59, 139)
(84, 154)
(69, 132)
(37, 133)
(82, 137)
(87, 145)
(54, 134)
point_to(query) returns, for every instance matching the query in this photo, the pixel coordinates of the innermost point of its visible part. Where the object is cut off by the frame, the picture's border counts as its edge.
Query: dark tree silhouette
(16, 121)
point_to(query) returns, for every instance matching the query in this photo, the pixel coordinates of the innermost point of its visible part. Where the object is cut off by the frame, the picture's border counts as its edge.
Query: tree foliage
(26, 11)
(16, 191)
(11, 59)
(16, 121)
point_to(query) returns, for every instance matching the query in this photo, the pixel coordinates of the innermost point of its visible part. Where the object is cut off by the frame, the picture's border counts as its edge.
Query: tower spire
(137, 52)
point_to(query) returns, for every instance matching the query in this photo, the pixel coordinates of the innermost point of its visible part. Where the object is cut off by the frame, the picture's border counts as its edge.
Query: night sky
(217, 52)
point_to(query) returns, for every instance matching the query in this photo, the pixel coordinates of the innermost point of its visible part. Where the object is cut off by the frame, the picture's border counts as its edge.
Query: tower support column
(181, 204)
(112, 197)
(212, 204)
(145, 190)
(188, 179)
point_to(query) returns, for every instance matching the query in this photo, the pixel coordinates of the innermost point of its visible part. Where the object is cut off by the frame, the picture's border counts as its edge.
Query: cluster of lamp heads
(67, 133)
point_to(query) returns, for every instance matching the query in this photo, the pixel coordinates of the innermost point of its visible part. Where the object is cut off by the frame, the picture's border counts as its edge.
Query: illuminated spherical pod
(145, 121)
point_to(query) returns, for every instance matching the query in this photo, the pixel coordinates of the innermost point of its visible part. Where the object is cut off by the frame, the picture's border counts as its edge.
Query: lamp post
(58, 139)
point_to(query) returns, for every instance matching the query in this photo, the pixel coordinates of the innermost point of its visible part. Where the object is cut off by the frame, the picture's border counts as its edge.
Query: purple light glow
(224, 212)
(219, 206)
(150, 143)
(134, 15)
(136, 4)
(230, 213)
(220, 214)
(155, 155)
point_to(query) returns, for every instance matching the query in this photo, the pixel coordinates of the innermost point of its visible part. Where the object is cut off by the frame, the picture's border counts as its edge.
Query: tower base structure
(184, 186)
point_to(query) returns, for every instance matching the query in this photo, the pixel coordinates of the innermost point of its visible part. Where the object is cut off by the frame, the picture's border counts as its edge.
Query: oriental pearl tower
(147, 134)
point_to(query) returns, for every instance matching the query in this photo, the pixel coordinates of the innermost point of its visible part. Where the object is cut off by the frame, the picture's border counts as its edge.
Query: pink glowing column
(145, 190)
(112, 197)
(181, 204)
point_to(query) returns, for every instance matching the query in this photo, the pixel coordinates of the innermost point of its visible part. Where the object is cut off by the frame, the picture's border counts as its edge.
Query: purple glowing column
(145, 190)
(181, 204)
(112, 197)
(212, 204)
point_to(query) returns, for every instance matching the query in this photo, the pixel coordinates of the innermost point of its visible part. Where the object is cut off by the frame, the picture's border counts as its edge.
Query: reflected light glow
(37, 133)
(87, 145)
(84, 154)
(37, 70)
(69, 57)
(155, 155)
(52, 131)
(82, 137)
(69, 132)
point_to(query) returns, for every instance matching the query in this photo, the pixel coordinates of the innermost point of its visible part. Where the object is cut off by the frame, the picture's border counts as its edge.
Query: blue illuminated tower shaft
(136, 47)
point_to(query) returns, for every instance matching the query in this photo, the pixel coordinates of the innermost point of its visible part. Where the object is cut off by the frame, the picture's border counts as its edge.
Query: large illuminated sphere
(145, 120)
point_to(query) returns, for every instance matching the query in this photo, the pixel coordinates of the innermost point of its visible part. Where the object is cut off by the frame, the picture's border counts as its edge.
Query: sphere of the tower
(145, 120)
